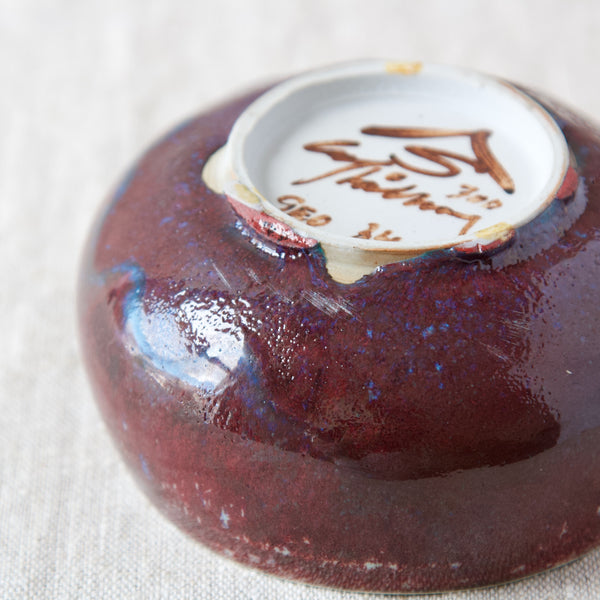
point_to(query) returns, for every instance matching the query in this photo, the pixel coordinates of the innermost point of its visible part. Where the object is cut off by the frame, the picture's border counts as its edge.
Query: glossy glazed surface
(432, 426)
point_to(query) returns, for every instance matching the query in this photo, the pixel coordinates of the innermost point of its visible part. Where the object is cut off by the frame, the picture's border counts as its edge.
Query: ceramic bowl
(346, 330)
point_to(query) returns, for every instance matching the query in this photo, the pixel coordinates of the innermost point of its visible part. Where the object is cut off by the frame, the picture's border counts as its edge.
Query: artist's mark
(357, 172)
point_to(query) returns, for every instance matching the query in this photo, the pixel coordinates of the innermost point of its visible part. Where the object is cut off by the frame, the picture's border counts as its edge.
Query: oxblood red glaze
(432, 426)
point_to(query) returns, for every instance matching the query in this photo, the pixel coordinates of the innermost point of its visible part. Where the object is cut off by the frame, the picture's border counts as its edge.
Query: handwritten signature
(483, 161)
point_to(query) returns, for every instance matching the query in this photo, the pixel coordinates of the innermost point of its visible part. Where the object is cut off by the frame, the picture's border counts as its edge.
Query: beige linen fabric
(84, 87)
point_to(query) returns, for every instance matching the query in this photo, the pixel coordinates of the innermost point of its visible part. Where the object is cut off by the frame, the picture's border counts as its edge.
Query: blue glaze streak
(374, 391)
(145, 467)
(158, 338)
(428, 331)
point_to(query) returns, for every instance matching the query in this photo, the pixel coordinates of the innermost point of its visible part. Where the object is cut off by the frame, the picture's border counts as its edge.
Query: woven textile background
(85, 86)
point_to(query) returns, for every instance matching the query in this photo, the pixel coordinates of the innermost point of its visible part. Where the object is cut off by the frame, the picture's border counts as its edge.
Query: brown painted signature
(446, 164)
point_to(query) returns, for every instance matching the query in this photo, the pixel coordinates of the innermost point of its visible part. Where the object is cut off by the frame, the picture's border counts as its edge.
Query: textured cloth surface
(84, 88)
